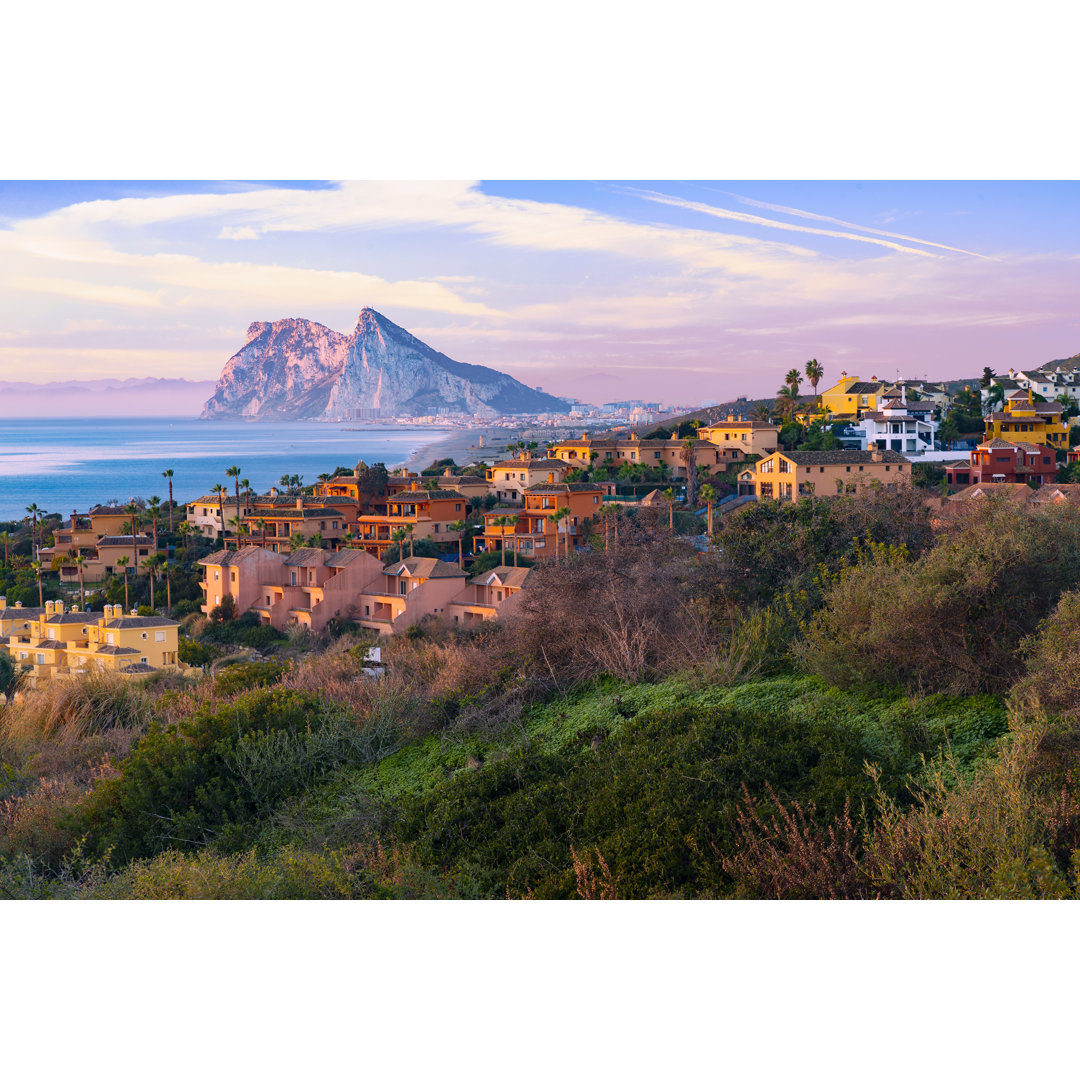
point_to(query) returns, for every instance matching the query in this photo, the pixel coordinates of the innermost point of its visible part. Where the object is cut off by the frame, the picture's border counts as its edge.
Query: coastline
(462, 447)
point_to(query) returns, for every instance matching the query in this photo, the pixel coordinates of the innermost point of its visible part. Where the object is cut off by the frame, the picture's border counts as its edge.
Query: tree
(168, 474)
(122, 562)
(80, 563)
(691, 471)
(234, 472)
(794, 380)
(761, 412)
(184, 529)
(987, 377)
(814, 373)
(133, 510)
(151, 567)
(459, 527)
(670, 497)
(245, 487)
(219, 491)
(154, 506)
(708, 497)
(787, 401)
(5, 537)
(409, 533)
(36, 567)
(557, 518)
(398, 536)
(32, 512)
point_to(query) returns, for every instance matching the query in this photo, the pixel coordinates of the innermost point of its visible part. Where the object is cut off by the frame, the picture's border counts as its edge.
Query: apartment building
(748, 436)
(800, 474)
(1034, 421)
(540, 530)
(489, 595)
(999, 462)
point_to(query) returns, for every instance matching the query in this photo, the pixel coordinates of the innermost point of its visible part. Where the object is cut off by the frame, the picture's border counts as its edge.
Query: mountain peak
(298, 369)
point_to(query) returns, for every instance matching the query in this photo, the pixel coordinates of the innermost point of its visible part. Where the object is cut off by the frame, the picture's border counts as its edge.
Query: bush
(210, 778)
(1052, 683)
(196, 652)
(238, 677)
(952, 620)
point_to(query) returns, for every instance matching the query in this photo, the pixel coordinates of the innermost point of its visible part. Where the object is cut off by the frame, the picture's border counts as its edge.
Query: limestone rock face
(295, 369)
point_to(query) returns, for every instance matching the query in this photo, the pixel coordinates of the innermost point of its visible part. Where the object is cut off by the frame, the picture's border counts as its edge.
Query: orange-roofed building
(533, 533)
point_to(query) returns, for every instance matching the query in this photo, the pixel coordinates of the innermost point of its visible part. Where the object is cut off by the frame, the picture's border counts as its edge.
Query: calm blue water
(66, 465)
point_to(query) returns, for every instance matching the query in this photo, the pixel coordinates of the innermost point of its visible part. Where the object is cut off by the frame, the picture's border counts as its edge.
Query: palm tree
(398, 536)
(793, 379)
(459, 527)
(669, 496)
(184, 529)
(151, 567)
(132, 510)
(708, 497)
(787, 401)
(36, 567)
(80, 563)
(32, 512)
(123, 562)
(245, 487)
(154, 505)
(234, 521)
(409, 533)
(168, 474)
(219, 491)
(606, 513)
(508, 521)
(261, 522)
(762, 412)
(558, 517)
(5, 536)
(814, 373)
(691, 471)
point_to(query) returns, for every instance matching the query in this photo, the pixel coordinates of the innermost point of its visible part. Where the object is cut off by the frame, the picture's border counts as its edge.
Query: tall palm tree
(409, 533)
(459, 527)
(508, 521)
(151, 567)
(762, 412)
(184, 529)
(558, 517)
(133, 510)
(168, 474)
(398, 536)
(814, 373)
(80, 563)
(787, 400)
(32, 512)
(154, 505)
(219, 491)
(245, 487)
(794, 380)
(36, 567)
(708, 497)
(691, 471)
(123, 562)
(168, 586)
(234, 472)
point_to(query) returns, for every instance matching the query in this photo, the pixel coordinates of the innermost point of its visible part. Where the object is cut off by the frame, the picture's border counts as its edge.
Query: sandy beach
(464, 445)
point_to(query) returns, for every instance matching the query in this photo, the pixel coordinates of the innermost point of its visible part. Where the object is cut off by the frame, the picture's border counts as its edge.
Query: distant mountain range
(103, 397)
(296, 369)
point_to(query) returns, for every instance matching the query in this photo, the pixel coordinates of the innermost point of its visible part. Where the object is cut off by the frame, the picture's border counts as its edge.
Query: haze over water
(66, 465)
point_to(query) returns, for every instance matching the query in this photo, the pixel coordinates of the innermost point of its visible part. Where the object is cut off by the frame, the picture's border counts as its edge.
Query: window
(110, 639)
(595, 499)
(848, 467)
(268, 601)
(51, 632)
(144, 659)
(766, 466)
(766, 490)
(785, 465)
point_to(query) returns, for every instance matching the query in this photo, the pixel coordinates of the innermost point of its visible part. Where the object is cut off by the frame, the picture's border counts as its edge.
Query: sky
(662, 290)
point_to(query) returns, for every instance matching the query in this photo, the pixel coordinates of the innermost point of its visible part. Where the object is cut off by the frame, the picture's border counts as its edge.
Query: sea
(73, 464)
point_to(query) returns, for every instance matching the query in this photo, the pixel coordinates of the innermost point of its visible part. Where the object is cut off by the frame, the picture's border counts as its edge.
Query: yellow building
(1025, 420)
(66, 641)
(586, 452)
(850, 398)
(800, 474)
(749, 436)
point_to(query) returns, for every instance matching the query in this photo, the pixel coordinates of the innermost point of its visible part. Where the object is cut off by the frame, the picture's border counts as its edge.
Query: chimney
(74, 520)
(273, 492)
(876, 455)
(48, 607)
(414, 486)
(731, 417)
(58, 607)
(18, 603)
(447, 471)
(551, 478)
(3, 602)
(299, 502)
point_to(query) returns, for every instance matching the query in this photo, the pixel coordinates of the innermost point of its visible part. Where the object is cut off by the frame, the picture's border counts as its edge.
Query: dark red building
(1001, 462)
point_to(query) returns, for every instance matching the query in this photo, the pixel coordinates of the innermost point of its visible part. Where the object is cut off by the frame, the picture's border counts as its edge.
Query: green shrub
(190, 651)
(247, 675)
(208, 779)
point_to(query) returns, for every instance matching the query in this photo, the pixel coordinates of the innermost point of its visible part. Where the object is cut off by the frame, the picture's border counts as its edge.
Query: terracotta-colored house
(408, 591)
(585, 452)
(430, 513)
(489, 595)
(509, 480)
(533, 533)
(999, 462)
(801, 474)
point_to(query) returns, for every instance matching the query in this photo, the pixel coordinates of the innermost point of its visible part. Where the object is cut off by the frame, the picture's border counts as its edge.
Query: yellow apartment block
(1023, 419)
(749, 436)
(801, 474)
(62, 641)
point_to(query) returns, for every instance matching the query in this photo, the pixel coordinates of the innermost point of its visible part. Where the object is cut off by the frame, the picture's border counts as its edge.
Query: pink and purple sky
(678, 291)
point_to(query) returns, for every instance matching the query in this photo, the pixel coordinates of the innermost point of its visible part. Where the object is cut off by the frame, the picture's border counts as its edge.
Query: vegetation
(835, 698)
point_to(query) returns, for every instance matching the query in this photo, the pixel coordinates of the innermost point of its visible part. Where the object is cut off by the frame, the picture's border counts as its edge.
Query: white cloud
(238, 232)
